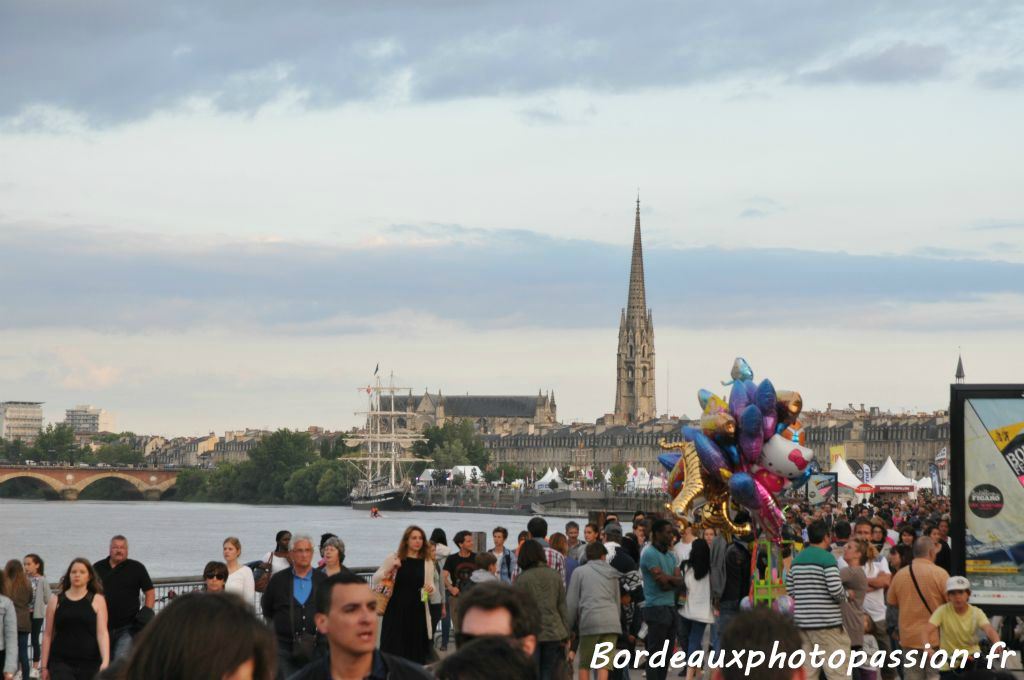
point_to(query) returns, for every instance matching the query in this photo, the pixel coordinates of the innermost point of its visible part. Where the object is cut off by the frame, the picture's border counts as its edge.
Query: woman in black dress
(76, 644)
(406, 630)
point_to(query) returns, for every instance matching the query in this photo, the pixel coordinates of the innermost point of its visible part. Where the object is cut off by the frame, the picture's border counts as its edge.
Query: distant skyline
(212, 219)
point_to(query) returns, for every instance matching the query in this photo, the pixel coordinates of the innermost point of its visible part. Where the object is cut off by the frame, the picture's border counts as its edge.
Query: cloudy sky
(220, 215)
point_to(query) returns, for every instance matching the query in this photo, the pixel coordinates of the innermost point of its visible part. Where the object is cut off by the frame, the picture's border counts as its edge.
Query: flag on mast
(376, 369)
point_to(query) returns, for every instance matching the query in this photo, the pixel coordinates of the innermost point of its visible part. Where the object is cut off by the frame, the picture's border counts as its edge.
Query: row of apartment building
(863, 437)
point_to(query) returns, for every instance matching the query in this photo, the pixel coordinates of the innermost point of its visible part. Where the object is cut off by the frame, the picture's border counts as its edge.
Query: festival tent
(468, 472)
(924, 483)
(890, 480)
(550, 476)
(845, 474)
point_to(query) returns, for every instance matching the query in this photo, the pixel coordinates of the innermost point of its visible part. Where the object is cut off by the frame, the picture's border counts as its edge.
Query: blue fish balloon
(741, 370)
(669, 460)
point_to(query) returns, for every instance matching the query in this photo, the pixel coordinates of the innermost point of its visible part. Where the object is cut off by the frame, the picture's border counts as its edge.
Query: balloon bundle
(746, 451)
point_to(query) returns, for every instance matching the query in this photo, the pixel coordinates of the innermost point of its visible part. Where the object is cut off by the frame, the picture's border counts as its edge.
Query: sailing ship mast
(384, 445)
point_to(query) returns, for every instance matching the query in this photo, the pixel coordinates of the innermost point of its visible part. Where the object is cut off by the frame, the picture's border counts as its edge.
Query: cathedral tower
(634, 385)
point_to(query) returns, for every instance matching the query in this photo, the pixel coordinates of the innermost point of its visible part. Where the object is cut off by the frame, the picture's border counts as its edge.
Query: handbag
(261, 575)
(384, 589)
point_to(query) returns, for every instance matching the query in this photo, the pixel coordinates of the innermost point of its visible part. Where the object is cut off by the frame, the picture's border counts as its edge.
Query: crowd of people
(547, 605)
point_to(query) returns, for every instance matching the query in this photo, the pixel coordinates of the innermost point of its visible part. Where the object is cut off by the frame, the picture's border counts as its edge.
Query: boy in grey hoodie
(594, 607)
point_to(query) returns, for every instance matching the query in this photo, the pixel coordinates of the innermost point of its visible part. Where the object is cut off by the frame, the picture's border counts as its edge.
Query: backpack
(464, 575)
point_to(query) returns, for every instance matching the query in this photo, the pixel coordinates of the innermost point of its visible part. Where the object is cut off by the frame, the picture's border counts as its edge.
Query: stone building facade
(869, 436)
(583, 447)
(490, 415)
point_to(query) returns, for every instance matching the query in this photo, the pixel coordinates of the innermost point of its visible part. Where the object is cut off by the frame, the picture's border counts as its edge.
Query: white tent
(845, 474)
(890, 479)
(427, 477)
(468, 472)
(550, 476)
(924, 483)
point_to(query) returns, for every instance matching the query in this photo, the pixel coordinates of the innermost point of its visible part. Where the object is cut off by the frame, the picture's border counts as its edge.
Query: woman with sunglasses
(216, 575)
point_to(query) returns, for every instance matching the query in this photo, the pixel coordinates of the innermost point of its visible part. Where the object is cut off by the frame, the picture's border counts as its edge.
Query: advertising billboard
(987, 465)
(823, 487)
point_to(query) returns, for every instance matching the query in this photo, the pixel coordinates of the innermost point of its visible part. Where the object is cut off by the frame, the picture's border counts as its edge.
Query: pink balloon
(769, 514)
(770, 481)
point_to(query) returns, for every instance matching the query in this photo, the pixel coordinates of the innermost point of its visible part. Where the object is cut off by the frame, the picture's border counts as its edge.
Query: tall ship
(383, 484)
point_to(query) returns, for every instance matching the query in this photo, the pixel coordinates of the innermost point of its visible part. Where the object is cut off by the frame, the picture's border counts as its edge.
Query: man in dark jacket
(346, 615)
(289, 603)
(737, 584)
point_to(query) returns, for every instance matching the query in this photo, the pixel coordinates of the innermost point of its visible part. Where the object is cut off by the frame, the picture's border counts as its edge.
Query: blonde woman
(240, 578)
(405, 629)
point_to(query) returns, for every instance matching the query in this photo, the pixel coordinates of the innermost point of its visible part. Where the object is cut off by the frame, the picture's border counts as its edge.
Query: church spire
(960, 375)
(636, 305)
(634, 389)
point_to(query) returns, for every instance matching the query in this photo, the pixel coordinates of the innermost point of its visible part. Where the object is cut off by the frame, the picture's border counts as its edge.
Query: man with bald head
(918, 591)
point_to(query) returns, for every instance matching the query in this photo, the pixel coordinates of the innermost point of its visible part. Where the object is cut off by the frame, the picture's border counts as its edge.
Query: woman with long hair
(240, 579)
(19, 589)
(8, 633)
(405, 629)
(76, 644)
(203, 636)
(34, 568)
(697, 613)
(439, 542)
(545, 586)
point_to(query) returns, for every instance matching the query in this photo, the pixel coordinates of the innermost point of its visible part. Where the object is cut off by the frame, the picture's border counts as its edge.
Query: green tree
(191, 485)
(455, 443)
(619, 476)
(119, 454)
(300, 489)
(56, 443)
(274, 460)
(336, 483)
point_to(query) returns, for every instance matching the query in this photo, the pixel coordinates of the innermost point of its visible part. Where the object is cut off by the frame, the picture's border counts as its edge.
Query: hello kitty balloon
(785, 457)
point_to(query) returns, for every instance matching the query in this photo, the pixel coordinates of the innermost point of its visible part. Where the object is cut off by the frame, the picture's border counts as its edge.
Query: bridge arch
(47, 480)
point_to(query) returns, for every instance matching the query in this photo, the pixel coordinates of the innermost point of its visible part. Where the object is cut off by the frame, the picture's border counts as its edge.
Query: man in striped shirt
(813, 583)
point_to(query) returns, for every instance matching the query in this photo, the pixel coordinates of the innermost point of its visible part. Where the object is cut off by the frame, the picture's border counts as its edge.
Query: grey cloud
(898, 63)
(118, 60)
(482, 279)
(542, 116)
(998, 225)
(1002, 78)
(760, 208)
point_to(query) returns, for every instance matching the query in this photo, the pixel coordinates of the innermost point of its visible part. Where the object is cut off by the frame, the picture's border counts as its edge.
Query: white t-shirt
(277, 563)
(243, 583)
(874, 600)
(682, 551)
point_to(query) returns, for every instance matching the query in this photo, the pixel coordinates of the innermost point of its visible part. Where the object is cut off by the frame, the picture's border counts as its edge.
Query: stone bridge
(69, 481)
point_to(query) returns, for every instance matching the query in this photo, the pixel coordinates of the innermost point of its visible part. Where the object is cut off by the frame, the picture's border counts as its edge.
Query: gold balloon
(693, 485)
(792, 404)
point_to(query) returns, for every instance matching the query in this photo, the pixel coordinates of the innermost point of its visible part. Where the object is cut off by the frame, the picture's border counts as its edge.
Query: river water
(178, 539)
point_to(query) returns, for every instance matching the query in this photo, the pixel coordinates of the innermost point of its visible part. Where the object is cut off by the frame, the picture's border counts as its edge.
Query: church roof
(471, 406)
(490, 406)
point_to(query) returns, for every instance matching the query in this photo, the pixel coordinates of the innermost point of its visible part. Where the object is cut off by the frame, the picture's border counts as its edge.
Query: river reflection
(177, 539)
